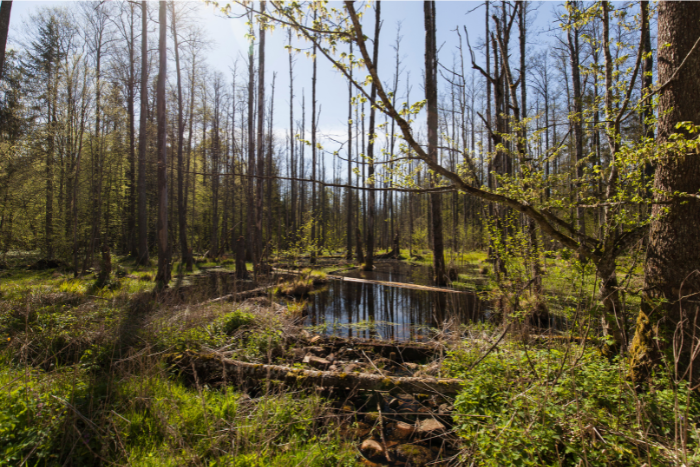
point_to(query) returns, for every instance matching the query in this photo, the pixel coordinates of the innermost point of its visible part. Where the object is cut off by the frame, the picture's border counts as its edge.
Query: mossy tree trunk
(671, 277)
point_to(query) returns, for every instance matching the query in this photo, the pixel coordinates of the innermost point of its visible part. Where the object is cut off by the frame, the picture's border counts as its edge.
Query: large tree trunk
(671, 278)
(163, 274)
(143, 119)
(371, 203)
(431, 95)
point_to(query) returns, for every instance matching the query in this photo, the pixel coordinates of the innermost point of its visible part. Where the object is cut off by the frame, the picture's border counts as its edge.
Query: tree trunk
(312, 259)
(573, 44)
(371, 203)
(431, 95)
(348, 192)
(292, 145)
(260, 144)
(250, 208)
(669, 309)
(5, 10)
(143, 122)
(163, 274)
(185, 256)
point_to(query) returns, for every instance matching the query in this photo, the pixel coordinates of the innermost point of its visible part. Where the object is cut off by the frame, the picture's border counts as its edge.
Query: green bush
(559, 407)
(232, 322)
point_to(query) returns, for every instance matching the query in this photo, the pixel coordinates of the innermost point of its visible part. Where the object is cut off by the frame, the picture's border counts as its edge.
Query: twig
(490, 349)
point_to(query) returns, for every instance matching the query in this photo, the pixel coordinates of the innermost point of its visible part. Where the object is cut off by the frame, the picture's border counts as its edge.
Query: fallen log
(408, 351)
(242, 295)
(336, 379)
(401, 285)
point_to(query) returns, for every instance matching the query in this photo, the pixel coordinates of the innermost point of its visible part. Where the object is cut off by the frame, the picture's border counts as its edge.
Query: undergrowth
(569, 406)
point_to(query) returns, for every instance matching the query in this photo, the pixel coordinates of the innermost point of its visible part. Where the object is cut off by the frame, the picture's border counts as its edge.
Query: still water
(353, 309)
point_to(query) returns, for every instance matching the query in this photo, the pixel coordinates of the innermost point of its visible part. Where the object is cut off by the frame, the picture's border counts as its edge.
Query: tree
(5, 10)
(143, 140)
(186, 256)
(163, 274)
(371, 202)
(260, 145)
(667, 321)
(431, 96)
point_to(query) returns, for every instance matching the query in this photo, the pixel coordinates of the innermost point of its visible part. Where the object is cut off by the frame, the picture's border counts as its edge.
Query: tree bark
(312, 258)
(348, 193)
(185, 256)
(371, 202)
(143, 141)
(431, 95)
(5, 10)
(260, 144)
(163, 274)
(313, 378)
(250, 208)
(671, 279)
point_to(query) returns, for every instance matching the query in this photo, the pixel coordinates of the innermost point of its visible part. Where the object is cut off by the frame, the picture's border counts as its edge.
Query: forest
(312, 233)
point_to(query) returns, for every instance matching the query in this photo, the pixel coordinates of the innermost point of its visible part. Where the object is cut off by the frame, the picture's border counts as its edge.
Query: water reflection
(352, 309)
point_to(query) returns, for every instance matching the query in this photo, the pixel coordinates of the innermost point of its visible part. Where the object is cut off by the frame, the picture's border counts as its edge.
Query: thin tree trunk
(313, 155)
(260, 144)
(143, 122)
(185, 258)
(163, 274)
(348, 192)
(371, 203)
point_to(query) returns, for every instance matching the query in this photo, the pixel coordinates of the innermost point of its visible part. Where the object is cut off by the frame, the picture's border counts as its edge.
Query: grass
(87, 378)
(569, 405)
(86, 381)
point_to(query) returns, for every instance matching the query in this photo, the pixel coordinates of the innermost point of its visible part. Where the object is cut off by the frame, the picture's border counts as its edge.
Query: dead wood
(369, 382)
(242, 295)
(404, 351)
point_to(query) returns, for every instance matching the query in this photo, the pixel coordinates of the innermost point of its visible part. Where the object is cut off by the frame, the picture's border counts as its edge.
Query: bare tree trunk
(5, 11)
(313, 156)
(371, 203)
(431, 95)
(348, 192)
(260, 144)
(573, 43)
(131, 238)
(185, 257)
(143, 122)
(270, 141)
(215, 169)
(292, 144)
(250, 208)
(667, 322)
(163, 274)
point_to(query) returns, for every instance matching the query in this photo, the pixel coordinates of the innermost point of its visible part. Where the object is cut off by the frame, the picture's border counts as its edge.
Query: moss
(642, 352)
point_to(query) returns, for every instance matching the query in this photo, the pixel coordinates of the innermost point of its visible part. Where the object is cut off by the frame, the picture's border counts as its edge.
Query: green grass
(552, 405)
(154, 420)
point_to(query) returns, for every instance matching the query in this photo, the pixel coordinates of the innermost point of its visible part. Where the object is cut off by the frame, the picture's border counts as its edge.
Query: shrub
(559, 407)
(232, 322)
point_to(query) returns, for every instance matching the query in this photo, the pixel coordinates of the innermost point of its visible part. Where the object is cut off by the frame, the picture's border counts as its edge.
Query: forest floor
(116, 373)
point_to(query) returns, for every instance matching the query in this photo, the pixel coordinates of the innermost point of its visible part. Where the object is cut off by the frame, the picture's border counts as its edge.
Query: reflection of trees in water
(396, 313)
